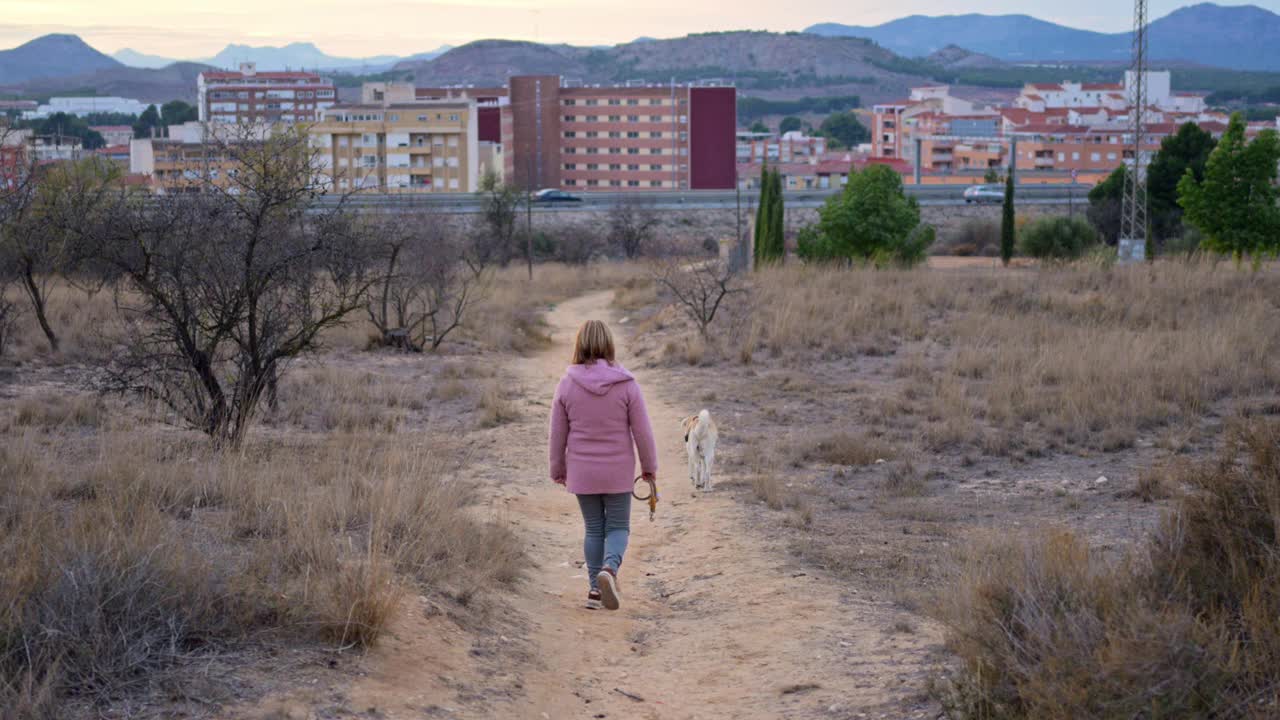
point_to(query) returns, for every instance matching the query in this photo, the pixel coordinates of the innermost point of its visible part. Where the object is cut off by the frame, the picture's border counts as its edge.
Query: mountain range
(294, 55)
(1241, 37)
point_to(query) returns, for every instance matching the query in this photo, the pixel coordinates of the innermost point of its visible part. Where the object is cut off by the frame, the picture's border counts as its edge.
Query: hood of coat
(599, 376)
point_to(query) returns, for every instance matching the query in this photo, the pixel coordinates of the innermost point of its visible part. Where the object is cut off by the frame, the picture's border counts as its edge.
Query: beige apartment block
(387, 145)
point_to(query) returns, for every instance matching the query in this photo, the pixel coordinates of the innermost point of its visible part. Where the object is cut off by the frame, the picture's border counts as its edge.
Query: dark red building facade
(618, 138)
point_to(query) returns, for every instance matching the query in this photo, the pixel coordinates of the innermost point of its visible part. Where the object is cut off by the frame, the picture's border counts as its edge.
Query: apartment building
(114, 134)
(388, 144)
(192, 155)
(488, 106)
(789, 147)
(637, 137)
(249, 96)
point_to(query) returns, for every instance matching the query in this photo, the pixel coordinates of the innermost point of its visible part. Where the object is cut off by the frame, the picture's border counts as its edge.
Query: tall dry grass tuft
(128, 560)
(1186, 627)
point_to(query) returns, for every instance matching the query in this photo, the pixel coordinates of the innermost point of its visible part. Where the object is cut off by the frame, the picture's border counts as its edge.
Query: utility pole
(1132, 244)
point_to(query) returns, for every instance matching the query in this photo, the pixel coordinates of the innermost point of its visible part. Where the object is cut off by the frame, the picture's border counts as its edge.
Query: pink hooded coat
(598, 422)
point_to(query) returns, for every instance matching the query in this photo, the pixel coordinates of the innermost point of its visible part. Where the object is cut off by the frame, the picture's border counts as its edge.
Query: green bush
(1186, 244)
(1057, 238)
(872, 219)
(909, 251)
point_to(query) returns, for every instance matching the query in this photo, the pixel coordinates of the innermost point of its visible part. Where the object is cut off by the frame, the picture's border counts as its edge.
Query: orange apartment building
(249, 96)
(646, 137)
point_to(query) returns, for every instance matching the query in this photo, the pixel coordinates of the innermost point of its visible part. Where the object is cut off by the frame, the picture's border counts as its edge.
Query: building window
(593, 183)
(633, 101)
(571, 151)
(570, 101)
(633, 167)
(1111, 156)
(655, 134)
(422, 118)
(615, 134)
(615, 166)
(393, 117)
(655, 183)
(615, 183)
(1095, 157)
(633, 134)
(593, 151)
(655, 101)
(593, 102)
(592, 133)
(570, 133)
(633, 118)
(570, 118)
(615, 118)
(633, 183)
(633, 151)
(453, 118)
(570, 181)
(593, 118)
(570, 166)
(593, 166)
(615, 101)
(655, 167)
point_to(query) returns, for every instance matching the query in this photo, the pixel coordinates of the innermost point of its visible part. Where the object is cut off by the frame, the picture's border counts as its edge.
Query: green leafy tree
(176, 112)
(790, 123)
(149, 119)
(1105, 200)
(991, 176)
(777, 220)
(1008, 233)
(1188, 149)
(872, 218)
(845, 129)
(1234, 205)
(759, 127)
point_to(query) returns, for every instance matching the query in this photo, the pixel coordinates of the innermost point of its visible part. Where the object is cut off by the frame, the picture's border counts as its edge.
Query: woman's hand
(558, 481)
(649, 477)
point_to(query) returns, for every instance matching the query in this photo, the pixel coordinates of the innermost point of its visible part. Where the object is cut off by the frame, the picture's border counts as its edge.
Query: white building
(1113, 97)
(84, 106)
(247, 95)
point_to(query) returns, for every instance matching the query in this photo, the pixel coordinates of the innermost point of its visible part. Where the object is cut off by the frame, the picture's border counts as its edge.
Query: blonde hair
(594, 342)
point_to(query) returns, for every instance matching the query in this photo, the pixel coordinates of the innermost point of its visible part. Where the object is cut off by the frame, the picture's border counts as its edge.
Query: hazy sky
(354, 28)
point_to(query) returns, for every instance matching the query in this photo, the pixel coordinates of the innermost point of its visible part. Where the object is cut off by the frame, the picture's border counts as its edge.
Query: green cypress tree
(762, 217)
(1007, 230)
(777, 218)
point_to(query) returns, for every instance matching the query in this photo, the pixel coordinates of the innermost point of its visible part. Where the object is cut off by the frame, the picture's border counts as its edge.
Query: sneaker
(593, 600)
(607, 580)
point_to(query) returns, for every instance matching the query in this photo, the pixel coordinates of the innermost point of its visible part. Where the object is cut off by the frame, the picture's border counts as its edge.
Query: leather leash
(652, 497)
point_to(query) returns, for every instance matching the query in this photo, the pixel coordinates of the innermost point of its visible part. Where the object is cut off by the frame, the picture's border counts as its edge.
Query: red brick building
(249, 96)
(652, 137)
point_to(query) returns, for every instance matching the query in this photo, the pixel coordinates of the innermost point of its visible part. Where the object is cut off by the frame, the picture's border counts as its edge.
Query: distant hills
(51, 56)
(1244, 37)
(294, 55)
(755, 61)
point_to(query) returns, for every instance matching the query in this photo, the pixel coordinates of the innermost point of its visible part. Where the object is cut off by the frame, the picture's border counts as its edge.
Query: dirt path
(715, 624)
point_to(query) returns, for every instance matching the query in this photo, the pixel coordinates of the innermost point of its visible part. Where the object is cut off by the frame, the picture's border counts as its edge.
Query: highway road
(468, 203)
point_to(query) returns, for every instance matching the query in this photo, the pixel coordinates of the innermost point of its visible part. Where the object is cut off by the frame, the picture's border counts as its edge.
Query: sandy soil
(717, 621)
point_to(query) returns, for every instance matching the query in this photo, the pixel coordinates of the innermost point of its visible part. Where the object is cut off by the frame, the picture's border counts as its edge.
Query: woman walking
(598, 423)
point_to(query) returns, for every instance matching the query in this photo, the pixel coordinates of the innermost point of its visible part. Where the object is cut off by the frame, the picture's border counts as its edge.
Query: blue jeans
(607, 518)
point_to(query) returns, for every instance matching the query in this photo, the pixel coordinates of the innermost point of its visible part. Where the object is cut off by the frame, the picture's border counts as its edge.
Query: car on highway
(984, 193)
(551, 195)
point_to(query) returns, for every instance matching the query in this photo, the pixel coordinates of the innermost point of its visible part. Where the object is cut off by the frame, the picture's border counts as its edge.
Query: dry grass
(84, 323)
(509, 317)
(843, 448)
(1073, 357)
(52, 411)
(1187, 627)
(131, 553)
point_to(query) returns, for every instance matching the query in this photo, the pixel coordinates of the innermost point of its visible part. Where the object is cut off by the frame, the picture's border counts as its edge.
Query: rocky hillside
(759, 62)
(51, 56)
(954, 57)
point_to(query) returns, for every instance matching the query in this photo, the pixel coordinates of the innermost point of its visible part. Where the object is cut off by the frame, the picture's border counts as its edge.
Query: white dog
(700, 442)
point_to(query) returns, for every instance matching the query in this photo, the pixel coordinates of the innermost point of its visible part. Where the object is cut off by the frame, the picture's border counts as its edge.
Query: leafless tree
(230, 280)
(9, 311)
(36, 204)
(428, 281)
(700, 288)
(632, 224)
(496, 229)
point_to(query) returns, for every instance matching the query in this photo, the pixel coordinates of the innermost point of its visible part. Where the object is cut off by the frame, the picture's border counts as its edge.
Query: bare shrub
(700, 288)
(9, 314)
(231, 282)
(577, 243)
(976, 236)
(1184, 628)
(496, 407)
(632, 224)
